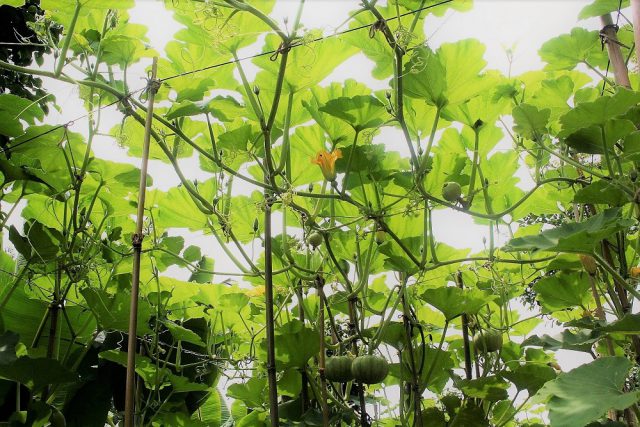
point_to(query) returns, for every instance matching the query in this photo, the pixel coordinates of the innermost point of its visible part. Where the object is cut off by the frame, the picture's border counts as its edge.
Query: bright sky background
(521, 25)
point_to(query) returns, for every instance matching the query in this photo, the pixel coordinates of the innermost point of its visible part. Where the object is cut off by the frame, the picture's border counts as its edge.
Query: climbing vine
(303, 277)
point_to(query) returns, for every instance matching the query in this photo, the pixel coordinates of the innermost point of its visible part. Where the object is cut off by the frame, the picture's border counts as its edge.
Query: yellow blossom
(327, 162)
(635, 272)
(256, 291)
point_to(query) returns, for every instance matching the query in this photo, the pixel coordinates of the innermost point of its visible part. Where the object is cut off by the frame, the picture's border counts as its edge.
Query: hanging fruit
(488, 341)
(369, 369)
(338, 369)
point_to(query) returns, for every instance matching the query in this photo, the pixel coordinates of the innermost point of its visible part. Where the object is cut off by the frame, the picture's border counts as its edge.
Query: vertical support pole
(608, 32)
(129, 410)
(635, 17)
(465, 334)
(268, 294)
(322, 364)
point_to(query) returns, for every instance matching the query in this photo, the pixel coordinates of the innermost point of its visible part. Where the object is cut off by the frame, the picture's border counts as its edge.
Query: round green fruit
(451, 192)
(315, 239)
(369, 369)
(381, 236)
(488, 341)
(338, 369)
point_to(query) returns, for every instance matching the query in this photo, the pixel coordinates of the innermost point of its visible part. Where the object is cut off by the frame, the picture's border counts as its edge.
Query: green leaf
(530, 376)
(295, 344)
(489, 388)
(573, 237)
(601, 7)
(567, 340)
(251, 392)
(562, 291)
(37, 373)
(629, 324)
(449, 76)
(601, 192)
(361, 112)
(585, 393)
(112, 311)
(530, 122)
(598, 112)
(453, 301)
(13, 3)
(566, 51)
(154, 378)
(589, 140)
(180, 333)
(223, 108)
(307, 65)
(214, 410)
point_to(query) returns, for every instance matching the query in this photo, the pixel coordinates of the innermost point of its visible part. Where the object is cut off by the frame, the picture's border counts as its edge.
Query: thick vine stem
(67, 39)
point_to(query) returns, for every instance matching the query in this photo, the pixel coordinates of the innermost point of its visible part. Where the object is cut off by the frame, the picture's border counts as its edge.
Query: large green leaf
(530, 121)
(584, 394)
(453, 301)
(598, 112)
(530, 376)
(566, 51)
(602, 7)
(37, 373)
(562, 291)
(295, 344)
(573, 237)
(361, 112)
(307, 65)
(449, 76)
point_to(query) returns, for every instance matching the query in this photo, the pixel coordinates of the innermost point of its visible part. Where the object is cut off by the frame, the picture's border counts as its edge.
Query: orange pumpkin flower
(327, 162)
(635, 272)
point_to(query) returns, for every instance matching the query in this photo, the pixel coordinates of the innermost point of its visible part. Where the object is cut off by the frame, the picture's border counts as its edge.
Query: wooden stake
(618, 64)
(129, 409)
(465, 334)
(635, 16)
(323, 379)
(269, 315)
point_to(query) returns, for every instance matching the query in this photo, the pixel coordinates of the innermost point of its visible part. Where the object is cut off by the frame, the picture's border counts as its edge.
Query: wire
(70, 122)
(272, 52)
(186, 73)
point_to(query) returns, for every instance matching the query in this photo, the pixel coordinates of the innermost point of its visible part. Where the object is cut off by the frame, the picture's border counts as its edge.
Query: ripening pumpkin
(369, 369)
(338, 369)
(488, 342)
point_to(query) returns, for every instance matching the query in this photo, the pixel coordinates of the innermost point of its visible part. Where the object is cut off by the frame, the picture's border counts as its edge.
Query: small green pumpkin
(338, 369)
(315, 239)
(451, 192)
(488, 342)
(369, 369)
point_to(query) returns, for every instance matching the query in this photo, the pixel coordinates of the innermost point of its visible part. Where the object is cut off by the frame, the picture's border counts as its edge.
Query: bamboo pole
(616, 58)
(129, 411)
(635, 17)
(268, 293)
(465, 334)
(323, 379)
